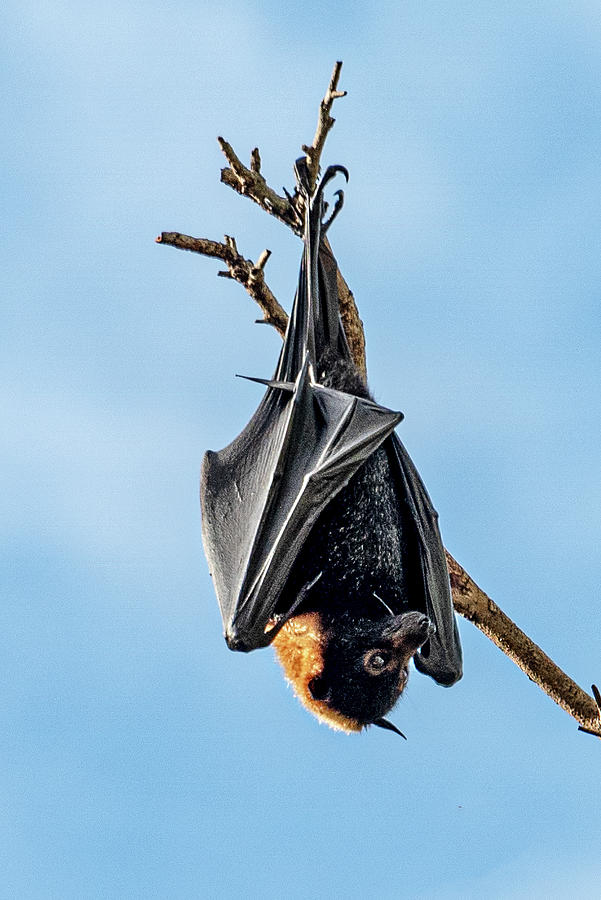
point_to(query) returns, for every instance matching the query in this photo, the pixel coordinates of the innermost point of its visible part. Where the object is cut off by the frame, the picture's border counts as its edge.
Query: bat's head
(350, 673)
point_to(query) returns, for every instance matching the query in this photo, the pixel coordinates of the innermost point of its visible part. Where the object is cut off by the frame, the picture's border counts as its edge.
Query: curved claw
(330, 173)
(301, 170)
(314, 202)
(597, 696)
(337, 207)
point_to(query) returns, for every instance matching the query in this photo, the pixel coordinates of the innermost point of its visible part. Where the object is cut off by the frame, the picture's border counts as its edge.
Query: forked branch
(324, 123)
(469, 600)
(250, 275)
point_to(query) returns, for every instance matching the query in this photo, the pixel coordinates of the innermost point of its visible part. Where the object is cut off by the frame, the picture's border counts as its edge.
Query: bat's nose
(412, 629)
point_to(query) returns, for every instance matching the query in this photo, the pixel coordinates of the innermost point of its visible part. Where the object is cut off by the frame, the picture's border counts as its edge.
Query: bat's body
(363, 542)
(319, 532)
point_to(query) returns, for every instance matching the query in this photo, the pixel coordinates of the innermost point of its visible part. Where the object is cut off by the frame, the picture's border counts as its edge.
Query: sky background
(138, 756)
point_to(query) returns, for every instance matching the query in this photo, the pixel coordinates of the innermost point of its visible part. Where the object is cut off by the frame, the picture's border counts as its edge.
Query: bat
(320, 536)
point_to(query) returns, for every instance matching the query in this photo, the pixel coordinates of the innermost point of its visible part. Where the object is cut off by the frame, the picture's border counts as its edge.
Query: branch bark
(469, 600)
(248, 182)
(325, 123)
(472, 603)
(250, 275)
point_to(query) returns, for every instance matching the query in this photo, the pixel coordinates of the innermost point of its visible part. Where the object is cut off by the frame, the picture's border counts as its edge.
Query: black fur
(361, 544)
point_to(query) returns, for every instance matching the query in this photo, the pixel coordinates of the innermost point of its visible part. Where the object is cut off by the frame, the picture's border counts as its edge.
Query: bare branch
(250, 183)
(469, 600)
(472, 603)
(353, 326)
(250, 275)
(324, 123)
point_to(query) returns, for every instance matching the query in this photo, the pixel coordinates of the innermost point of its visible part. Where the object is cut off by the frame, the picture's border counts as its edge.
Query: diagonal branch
(250, 275)
(473, 604)
(469, 600)
(250, 183)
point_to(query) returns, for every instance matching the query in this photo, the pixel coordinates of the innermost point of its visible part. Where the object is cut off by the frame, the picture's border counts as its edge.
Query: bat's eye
(377, 661)
(319, 688)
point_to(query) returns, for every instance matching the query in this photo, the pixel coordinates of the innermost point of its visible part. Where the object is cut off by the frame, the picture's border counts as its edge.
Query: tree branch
(469, 600)
(353, 326)
(473, 604)
(250, 275)
(324, 123)
(250, 183)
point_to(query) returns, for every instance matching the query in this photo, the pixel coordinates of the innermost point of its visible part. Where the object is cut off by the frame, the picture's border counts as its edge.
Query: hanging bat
(320, 535)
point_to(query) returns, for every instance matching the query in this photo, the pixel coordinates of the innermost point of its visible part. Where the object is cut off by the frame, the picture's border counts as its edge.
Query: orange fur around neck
(299, 648)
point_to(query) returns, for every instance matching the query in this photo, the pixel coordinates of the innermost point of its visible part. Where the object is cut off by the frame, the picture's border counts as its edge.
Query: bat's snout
(409, 630)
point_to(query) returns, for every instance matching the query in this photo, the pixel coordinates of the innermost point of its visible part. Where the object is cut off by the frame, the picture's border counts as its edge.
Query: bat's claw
(596, 732)
(338, 206)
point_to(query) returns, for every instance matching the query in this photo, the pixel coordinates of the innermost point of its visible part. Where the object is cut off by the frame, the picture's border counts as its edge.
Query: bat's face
(350, 673)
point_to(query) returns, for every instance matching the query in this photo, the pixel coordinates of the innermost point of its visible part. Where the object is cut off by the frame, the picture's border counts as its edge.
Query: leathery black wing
(441, 656)
(262, 493)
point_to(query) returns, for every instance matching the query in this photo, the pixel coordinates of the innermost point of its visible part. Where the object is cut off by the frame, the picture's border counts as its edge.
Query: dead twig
(250, 183)
(250, 275)
(324, 123)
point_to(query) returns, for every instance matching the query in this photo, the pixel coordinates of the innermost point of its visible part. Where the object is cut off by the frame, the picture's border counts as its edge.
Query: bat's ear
(319, 688)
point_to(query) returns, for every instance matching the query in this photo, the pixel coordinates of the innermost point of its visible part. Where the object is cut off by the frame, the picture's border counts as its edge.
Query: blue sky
(140, 758)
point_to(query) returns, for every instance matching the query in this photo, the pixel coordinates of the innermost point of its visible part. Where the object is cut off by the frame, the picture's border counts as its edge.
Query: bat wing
(262, 494)
(441, 656)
